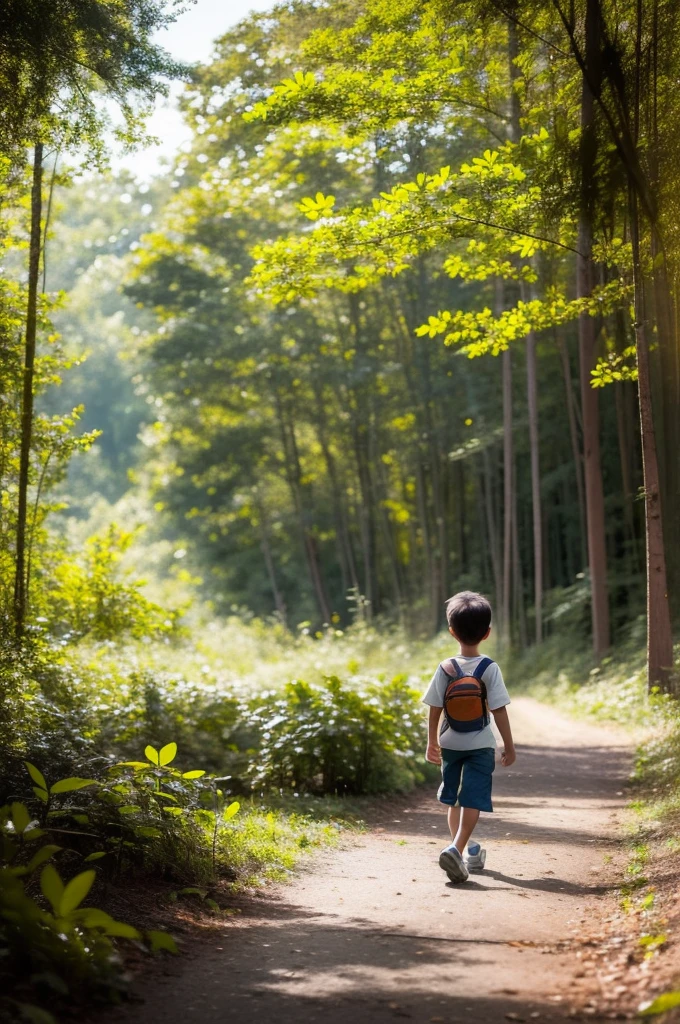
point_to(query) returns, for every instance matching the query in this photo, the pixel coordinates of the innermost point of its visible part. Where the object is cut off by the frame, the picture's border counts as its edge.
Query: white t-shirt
(496, 694)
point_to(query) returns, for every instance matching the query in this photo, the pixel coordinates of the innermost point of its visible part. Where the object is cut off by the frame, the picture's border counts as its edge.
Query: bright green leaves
(161, 941)
(21, 819)
(75, 891)
(482, 332)
(71, 785)
(165, 756)
(662, 1004)
(290, 89)
(230, 811)
(616, 366)
(319, 206)
(52, 887)
(37, 776)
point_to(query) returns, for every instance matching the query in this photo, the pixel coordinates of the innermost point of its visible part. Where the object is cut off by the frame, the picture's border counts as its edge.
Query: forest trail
(373, 931)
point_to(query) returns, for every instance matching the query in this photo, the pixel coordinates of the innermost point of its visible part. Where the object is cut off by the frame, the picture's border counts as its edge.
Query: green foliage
(88, 595)
(662, 1004)
(333, 739)
(58, 952)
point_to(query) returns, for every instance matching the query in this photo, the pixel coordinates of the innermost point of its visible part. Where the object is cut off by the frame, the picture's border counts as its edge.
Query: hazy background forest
(397, 319)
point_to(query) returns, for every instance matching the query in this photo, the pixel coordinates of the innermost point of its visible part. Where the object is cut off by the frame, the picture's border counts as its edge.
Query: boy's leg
(454, 819)
(468, 818)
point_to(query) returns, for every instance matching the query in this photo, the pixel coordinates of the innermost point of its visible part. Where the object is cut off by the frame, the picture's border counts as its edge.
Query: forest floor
(373, 931)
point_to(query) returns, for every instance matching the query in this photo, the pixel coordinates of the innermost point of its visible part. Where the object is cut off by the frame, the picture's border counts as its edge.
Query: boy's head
(469, 617)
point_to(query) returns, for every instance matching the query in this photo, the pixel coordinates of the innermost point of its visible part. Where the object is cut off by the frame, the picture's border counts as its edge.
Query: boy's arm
(433, 753)
(502, 720)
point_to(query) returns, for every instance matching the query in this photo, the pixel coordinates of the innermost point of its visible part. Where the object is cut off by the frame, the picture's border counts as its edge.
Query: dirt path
(374, 932)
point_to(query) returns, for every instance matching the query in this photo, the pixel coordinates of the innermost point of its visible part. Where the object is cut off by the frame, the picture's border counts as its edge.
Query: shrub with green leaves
(53, 946)
(334, 739)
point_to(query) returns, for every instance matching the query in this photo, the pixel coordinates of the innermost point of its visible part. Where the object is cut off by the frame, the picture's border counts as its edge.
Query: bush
(333, 739)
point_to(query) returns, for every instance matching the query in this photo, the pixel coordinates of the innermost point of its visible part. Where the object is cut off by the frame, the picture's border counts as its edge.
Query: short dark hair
(469, 616)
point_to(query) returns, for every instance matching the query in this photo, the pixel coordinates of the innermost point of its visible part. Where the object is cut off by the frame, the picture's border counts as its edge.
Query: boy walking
(463, 691)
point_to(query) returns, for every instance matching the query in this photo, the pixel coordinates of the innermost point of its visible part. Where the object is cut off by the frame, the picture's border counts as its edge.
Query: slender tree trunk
(537, 514)
(659, 636)
(265, 547)
(508, 491)
(492, 529)
(338, 491)
(597, 550)
(294, 476)
(576, 455)
(20, 581)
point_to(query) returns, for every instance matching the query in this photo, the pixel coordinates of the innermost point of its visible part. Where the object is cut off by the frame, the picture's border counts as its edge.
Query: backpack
(465, 702)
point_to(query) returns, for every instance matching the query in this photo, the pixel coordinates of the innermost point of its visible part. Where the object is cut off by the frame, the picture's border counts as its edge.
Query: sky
(190, 39)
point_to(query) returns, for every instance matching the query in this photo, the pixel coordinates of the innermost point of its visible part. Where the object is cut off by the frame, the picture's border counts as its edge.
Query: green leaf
(37, 776)
(192, 891)
(168, 753)
(43, 854)
(93, 918)
(166, 796)
(661, 1004)
(35, 1014)
(194, 775)
(148, 832)
(161, 940)
(70, 785)
(52, 886)
(120, 930)
(76, 891)
(96, 856)
(41, 794)
(133, 764)
(129, 809)
(175, 811)
(231, 810)
(152, 754)
(21, 819)
(33, 833)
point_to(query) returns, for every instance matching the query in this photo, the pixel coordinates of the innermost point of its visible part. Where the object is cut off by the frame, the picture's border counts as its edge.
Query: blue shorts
(466, 778)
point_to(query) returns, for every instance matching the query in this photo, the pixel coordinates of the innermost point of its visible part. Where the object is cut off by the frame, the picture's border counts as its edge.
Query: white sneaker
(475, 858)
(453, 864)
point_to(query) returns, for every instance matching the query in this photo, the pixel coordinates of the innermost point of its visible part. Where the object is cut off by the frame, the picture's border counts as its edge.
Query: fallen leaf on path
(514, 1016)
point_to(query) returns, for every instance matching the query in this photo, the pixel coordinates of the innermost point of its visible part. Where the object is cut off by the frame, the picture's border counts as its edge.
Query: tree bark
(537, 514)
(595, 518)
(508, 491)
(576, 455)
(659, 635)
(20, 580)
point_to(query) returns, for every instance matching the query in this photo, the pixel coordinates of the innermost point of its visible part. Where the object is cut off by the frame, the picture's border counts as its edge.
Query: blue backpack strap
(481, 668)
(451, 668)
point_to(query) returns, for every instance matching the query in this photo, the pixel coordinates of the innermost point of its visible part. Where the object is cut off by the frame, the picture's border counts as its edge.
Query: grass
(263, 844)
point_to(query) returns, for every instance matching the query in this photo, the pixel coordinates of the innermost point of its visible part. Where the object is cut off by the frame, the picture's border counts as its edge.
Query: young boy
(466, 748)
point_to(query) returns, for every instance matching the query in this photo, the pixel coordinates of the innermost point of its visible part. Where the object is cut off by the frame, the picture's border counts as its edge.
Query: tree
(53, 62)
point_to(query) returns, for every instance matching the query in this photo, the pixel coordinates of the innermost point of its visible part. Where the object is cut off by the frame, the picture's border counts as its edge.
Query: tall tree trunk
(659, 636)
(265, 547)
(597, 551)
(338, 491)
(293, 476)
(20, 581)
(508, 492)
(576, 455)
(537, 514)
(492, 529)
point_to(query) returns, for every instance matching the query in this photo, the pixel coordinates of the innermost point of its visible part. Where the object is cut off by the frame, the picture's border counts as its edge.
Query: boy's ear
(452, 633)
(486, 635)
